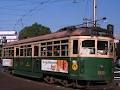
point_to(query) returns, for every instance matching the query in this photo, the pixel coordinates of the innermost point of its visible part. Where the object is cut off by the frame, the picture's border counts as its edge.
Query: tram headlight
(101, 70)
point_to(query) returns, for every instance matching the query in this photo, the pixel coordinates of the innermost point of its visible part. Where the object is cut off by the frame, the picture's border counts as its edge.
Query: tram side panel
(27, 67)
(36, 67)
(72, 68)
(91, 69)
(67, 71)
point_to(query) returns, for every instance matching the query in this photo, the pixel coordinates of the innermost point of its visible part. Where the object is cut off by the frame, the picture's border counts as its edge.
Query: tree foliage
(33, 30)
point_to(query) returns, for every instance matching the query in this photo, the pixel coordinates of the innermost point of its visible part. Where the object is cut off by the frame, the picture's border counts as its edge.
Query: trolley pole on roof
(94, 13)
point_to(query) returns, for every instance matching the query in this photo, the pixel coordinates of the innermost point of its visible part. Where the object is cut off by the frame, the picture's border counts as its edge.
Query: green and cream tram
(75, 56)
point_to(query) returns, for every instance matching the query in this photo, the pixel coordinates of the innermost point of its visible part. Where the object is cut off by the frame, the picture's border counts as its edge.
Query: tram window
(88, 47)
(102, 47)
(43, 51)
(11, 52)
(88, 43)
(21, 46)
(64, 50)
(43, 43)
(49, 43)
(21, 52)
(111, 47)
(0, 53)
(64, 41)
(7, 52)
(25, 52)
(75, 46)
(29, 51)
(17, 51)
(36, 50)
(28, 45)
(49, 51)
(56, 50)
(4, 52)
(56, 42)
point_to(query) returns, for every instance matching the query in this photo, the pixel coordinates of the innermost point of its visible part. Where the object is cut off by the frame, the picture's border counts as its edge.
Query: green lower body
(88, 69)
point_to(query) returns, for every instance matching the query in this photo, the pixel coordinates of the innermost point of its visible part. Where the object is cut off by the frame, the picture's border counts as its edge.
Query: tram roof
(81, 31)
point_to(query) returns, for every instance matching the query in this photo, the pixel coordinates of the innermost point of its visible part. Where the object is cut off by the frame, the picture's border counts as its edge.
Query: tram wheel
(49, 80)
(65, 83)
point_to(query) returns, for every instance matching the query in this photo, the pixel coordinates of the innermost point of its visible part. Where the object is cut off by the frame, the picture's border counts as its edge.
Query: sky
(56, 14)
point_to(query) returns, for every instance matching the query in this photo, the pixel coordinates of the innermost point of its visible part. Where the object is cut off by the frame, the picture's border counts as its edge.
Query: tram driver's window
(75, 46)
(102, 47)
(88, 47)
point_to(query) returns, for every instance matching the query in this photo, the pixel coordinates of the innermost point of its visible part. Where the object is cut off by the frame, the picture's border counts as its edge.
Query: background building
(8, 36)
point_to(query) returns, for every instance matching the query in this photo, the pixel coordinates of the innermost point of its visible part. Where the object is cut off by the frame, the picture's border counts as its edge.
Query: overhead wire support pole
(94, 13)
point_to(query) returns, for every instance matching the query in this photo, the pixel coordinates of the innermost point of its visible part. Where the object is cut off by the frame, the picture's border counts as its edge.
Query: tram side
(72, 58)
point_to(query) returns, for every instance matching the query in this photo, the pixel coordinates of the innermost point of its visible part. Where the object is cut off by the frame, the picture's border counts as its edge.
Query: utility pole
(94, 13)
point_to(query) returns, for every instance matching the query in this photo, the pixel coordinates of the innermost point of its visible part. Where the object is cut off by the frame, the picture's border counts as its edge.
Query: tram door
(36, 65)
(74, 59)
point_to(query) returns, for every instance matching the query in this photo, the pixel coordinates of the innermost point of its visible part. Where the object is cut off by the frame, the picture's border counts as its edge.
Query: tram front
(93, 62)
(96, 59)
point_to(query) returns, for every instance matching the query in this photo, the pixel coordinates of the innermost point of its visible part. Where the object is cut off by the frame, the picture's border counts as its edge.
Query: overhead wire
(38, 5)
(31, 10)
(8, 7)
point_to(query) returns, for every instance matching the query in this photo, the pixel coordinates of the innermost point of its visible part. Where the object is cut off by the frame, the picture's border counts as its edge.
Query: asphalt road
(10, 82)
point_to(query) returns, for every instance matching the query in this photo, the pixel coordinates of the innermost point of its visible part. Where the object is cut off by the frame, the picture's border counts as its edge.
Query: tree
(33, 30)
